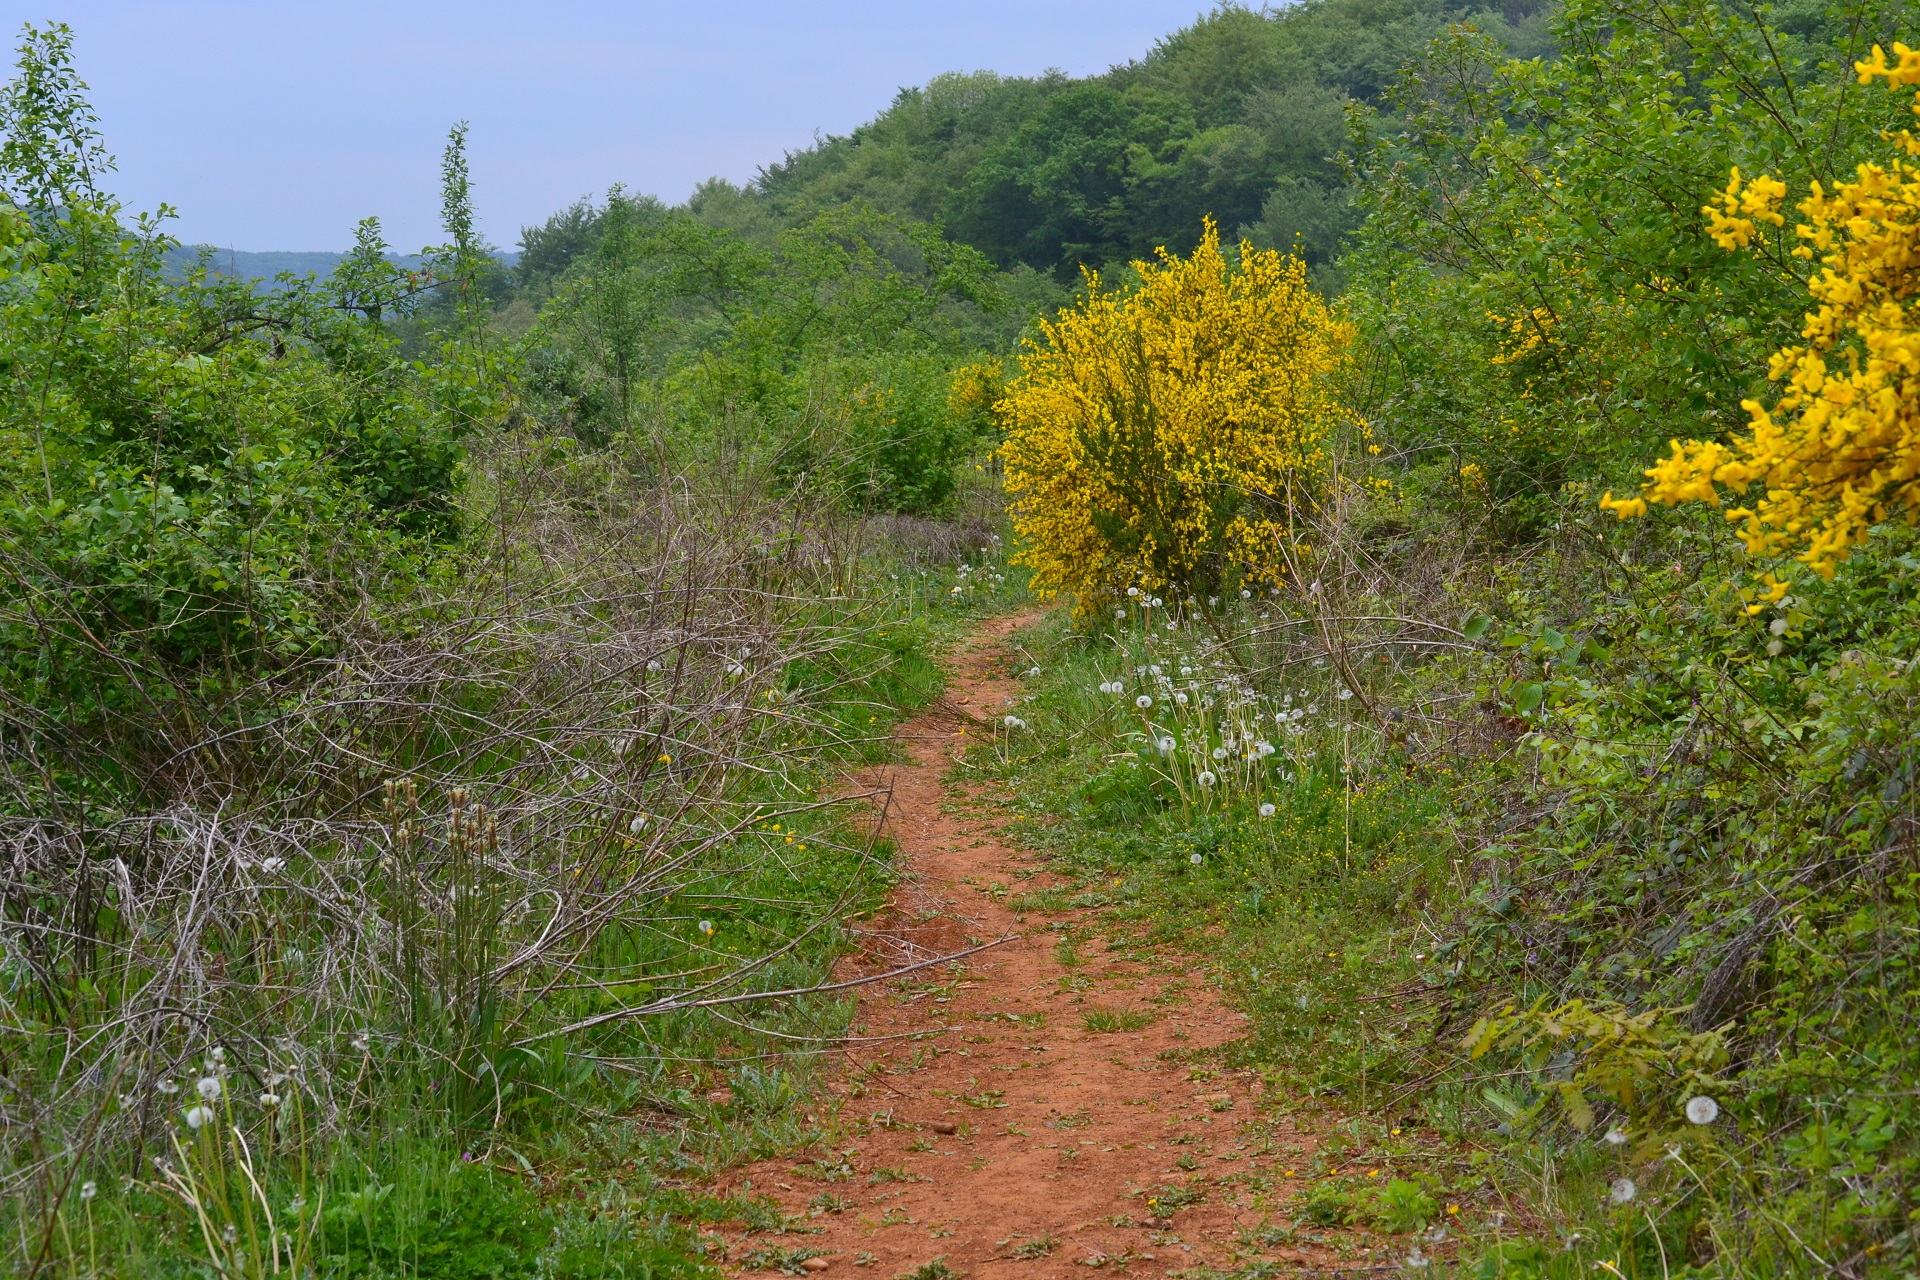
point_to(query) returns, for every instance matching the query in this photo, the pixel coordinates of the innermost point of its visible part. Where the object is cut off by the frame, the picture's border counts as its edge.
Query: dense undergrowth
(416, 700)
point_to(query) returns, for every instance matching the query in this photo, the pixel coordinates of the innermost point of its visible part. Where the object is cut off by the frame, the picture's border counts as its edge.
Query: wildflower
(1622, 1190)
(1263, 748)
(638, 824)
(1345, 694)
(1195, 859)
(1015, 722)
(1143, 702)
(706, 927)
(1119, 612)
(273, 866)
(1032, 671)
(88, 1191)
(208, 1088)
(1702, 1109)
(1206, 778)
(1133, 591)
(1180, 698)
(167, 1086)
(1219, 753)
(1154, 669)
(1616, 1136)
(1167, 745)
(736, 670)
(1156, 602)
(269, 1100)
(1266, 810)
(1245, 594)
(361, 1040)
(198, 1116)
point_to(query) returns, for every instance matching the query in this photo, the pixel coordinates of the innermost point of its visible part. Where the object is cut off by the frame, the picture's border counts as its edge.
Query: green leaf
(1531, 695)
(1476, 626)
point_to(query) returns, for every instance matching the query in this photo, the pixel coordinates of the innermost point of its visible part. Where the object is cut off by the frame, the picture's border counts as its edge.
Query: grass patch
(1106, 1021)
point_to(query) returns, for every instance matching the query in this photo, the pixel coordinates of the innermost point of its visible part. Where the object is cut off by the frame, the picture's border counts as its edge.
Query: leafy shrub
(1170, 436)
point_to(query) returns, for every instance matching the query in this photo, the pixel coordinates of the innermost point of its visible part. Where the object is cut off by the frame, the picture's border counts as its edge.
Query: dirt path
(1071, 1113)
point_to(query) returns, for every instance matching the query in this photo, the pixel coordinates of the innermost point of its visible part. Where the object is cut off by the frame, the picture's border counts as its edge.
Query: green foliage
(829, 353)
(1236, 117)
(193, 471)
(1544, 305)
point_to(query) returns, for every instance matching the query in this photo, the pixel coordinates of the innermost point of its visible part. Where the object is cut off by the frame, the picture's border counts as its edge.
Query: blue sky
(273, 125)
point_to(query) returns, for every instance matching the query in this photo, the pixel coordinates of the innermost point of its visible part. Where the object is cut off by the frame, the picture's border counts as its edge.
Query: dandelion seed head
(1702, 1109)
(1622, 1190)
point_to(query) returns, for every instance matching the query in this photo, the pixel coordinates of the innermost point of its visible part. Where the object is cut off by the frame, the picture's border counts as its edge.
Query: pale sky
(272, 125)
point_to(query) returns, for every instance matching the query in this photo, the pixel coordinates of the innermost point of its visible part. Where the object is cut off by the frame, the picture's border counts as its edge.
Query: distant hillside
(1238, 116)
(245, 264)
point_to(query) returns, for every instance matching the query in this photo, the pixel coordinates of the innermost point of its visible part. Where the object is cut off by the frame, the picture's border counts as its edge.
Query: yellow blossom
(1840, 450)
(1169, 434)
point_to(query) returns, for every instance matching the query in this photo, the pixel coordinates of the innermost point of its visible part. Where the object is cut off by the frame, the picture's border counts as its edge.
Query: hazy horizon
(277, 129)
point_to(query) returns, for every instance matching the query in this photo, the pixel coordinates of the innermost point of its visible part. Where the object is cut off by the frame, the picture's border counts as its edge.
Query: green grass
(1110, 1020)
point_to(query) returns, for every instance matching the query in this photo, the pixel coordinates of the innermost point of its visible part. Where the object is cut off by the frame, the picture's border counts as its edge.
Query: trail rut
(1022, 1140)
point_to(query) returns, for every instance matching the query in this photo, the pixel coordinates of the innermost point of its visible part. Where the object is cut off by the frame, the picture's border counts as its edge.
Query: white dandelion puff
(1166, 746)
(1134, 592)
(1622, 1190)
(1266, 810)
(1180, 698)
(208, 1088)
(1195, 859)
(198, 1116)
(1616, 1136)
(1206, 778)
(1219, 753)
(1702, 1109)
(1143, 701)
(88, 1191)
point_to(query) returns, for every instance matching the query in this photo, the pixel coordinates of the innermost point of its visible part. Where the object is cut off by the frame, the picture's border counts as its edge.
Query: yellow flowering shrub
(1168, 435)
(1840, 451)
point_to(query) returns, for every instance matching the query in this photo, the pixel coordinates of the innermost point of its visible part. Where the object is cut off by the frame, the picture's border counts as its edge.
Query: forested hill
(1238, 116)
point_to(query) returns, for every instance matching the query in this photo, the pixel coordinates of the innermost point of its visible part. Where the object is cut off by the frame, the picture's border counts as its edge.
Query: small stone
(943, 1126)
(816, 1264)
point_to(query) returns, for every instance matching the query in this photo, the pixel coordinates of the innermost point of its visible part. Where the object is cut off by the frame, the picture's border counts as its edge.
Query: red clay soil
(1018, 1140)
